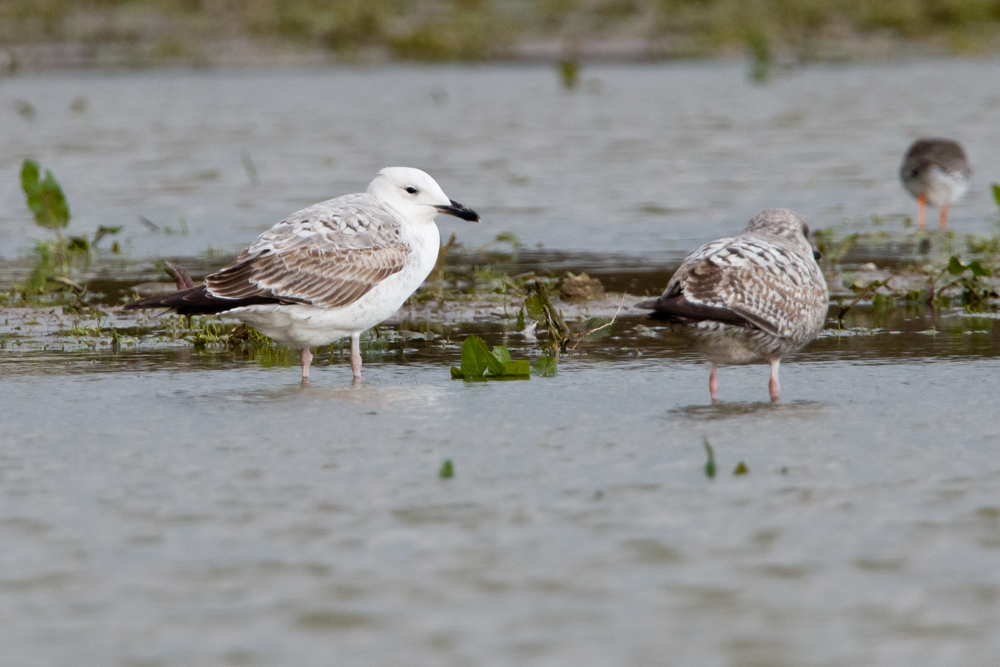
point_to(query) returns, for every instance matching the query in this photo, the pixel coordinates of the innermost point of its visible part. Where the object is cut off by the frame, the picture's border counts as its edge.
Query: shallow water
(168, 506)
(640, 160)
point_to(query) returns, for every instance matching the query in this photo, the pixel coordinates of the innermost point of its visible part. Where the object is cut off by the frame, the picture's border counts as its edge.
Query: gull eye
(412, 190)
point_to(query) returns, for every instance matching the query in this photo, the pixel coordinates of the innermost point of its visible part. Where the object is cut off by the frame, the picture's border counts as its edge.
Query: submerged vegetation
(130, 32)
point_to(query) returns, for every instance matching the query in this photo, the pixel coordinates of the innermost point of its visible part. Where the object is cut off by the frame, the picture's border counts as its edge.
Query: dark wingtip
(817, 255)
(647, 305)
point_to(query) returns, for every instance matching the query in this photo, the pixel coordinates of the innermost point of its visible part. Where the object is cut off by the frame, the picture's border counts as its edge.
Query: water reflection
(726, 410)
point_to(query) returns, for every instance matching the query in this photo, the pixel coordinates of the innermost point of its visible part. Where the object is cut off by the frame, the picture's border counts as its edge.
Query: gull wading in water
(936, 172)
(752, 298)
(331, 270)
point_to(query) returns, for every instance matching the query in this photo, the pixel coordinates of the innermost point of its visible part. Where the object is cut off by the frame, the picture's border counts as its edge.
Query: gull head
(416, 195)
(787, 226)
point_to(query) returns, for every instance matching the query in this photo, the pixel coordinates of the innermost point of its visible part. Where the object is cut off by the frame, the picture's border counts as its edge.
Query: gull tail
(196, 301)
(679, 309)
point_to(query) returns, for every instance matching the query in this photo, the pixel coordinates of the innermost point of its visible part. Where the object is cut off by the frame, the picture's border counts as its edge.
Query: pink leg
(921, 219)
(356, 355)
(306, 357)
(713, 385)
(943, 221)
(773, 385)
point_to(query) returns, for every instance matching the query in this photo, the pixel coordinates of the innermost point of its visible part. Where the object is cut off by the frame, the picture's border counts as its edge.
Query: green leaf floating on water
(501, 353)
(475, 358)
(478, 363)
(517, 369)
(996, 193)
(545, 366)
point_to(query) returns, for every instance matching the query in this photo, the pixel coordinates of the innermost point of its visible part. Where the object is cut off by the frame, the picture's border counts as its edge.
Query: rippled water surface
(162, 506)
(179, 508)
(637, 161)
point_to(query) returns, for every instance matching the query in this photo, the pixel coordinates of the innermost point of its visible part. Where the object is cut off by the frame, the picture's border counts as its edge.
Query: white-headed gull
(331, 270)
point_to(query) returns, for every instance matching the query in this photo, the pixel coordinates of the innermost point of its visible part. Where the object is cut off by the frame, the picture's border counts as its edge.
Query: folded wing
(743, 281)
(328, 255)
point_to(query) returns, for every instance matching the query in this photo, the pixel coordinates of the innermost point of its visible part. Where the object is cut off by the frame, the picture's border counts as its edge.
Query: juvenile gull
(331, 270)
(936, 172)
(750, 298)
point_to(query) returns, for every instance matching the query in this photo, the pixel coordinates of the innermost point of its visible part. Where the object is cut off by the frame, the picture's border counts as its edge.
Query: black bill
(459, 211)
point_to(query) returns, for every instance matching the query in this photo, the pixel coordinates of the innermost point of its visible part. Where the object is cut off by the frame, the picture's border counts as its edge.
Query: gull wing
(743, 280)
(328, 255)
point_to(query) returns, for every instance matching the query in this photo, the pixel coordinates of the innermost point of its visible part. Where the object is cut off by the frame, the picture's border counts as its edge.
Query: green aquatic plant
(975, 291)
(81, 331)
(861, 291)
(551, 330)
(245, 338)
(710, 458)
(479, 363)
(50, 208)
(981, 245)
(447, 470)
(741, 469)
(45, 197)
(545, 367)
(760, 57)
(569, 73)
(995, 188)
(833, 251)
(47, 202)
(209, 333)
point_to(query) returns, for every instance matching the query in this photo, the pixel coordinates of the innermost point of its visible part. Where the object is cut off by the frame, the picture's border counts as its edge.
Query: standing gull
(936, 172)
(331, 270)
(750, 298)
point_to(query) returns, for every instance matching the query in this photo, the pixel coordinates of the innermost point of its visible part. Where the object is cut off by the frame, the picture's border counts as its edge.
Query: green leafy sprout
(45, 197)
(479, 363)
(710, 458)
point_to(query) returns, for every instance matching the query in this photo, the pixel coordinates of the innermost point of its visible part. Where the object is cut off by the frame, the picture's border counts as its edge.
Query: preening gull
(750, 298)
(936, 172)
(331, 270)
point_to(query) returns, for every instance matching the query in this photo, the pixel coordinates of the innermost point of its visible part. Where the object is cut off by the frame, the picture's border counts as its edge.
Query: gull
(331, 270)
(936, 172)
(752, 298)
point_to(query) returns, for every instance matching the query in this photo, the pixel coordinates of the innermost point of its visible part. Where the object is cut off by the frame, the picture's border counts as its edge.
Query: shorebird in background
(331, 270)
(752, 298)
(936, 172)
